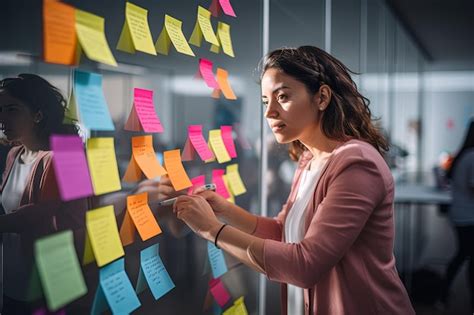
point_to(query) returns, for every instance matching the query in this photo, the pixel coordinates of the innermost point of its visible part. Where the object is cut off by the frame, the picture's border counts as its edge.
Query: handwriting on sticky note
(172, 34)
(103, 235)
(217, 146)
(136, 31)
(103, 165)
(59, 33)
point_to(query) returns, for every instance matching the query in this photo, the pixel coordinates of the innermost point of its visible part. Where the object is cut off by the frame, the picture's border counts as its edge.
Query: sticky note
(217, 260)
(59, 33)
(174, 166)
(172, 33)
(235, 182)
(217, 179)
(34, 291)
(202, 27)
(226, 183)
(205, 72)
(136, 31)
(103, 165)
(153, 273)
(69, 161)
(115, 290)
(217, 146)
(219, 292)
(127, 230)
(143, 156)
(197, 182)
(90, 30)
(59, 269)
(223, 35)
(197, 141)
(89, 97)
(227, 137)
(238, 308)
(103, 235)
(142, 217)
(224, 85)
(143, 116)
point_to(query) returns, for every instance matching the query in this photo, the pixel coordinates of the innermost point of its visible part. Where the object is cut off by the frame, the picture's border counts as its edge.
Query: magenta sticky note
(219, 182)
(199, 143)
(143, 101)
(70, 167)
(197, 182)
(205, 69)
(219, 292)
(43, 311)
(227, 7)
(226, 133)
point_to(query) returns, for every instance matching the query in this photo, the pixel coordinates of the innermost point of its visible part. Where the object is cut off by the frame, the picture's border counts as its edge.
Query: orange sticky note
(174, 166)
(224, 86)
(127, 230)
(142, 217)
(144, 156)
(59, 33)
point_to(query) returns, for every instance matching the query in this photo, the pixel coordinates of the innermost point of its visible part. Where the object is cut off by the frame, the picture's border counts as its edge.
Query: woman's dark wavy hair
(467, 144)
(348, 115)
(40, 96)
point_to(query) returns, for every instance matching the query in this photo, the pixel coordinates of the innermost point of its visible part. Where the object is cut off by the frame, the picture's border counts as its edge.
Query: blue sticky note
(115, 290)
(216, 309)
(154, 273)
(216, 259)
(93, 110)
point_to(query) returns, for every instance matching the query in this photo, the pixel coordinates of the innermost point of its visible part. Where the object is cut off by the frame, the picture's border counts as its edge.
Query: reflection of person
(332, 243)
(461, 213)
(31, 110)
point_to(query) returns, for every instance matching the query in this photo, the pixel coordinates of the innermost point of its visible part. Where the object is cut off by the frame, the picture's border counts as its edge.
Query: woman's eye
(282, 97)
(265, 103)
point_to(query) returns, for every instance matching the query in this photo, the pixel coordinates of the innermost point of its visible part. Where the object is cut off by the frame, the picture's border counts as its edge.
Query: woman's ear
(38, 117)
(323, 97)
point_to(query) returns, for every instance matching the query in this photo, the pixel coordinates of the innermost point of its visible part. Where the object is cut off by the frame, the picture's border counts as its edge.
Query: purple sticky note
(70, 167)
(219, 292)
(43, 311)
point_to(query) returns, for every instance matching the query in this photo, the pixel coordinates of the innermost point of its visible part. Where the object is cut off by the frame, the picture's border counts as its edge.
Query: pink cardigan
(345, 262)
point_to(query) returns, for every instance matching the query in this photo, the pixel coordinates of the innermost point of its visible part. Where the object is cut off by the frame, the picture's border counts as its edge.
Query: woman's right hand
(158, 191)
(218, 203)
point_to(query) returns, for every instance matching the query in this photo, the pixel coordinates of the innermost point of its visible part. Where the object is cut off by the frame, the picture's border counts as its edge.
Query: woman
(461, 213)
(331, 245)
(31, 110)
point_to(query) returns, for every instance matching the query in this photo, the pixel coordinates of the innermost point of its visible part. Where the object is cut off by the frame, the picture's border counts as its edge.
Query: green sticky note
(59, 269)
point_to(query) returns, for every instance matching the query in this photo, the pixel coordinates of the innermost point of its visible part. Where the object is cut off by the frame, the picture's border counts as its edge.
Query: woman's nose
(271, 109)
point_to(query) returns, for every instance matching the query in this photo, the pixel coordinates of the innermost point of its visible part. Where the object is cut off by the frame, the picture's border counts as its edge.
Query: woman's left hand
(196, 212)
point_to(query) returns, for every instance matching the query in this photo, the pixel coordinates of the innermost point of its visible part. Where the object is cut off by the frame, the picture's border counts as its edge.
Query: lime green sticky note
(59, 270)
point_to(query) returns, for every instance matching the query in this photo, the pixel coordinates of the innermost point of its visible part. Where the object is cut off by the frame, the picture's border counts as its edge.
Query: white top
(14, 266)
(462, 209)
(294, 227)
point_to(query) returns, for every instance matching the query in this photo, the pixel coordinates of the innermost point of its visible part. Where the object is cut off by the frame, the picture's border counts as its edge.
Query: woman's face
(291, 111)
(16, 119)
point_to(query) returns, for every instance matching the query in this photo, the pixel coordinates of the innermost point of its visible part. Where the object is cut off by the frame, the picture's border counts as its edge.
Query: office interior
(412, 59)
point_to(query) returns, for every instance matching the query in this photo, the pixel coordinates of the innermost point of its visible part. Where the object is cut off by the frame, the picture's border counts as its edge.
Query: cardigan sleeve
(270, 228)
(354, 191)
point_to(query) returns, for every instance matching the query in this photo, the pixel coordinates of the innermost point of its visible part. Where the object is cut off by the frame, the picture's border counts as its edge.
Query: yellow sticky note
(218, 147)
(103, 235)
(223, 35)
(70, 116)
(226, 184)
(103, 165)
(202, 27)
(136, 31)
(234, 180)
(172, 33)
(178, 177)
(91, 34)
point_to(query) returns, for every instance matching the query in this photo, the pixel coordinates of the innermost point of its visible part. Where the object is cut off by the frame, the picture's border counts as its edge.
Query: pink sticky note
(215, 8)
(199, 143)
(219, 182)
(227, 7)
(226, 132)
(205, 69)
(70, 167)
(197, 182)
(189, 153)
(219, 292)
(143, 102)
